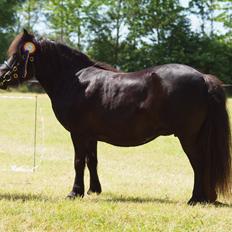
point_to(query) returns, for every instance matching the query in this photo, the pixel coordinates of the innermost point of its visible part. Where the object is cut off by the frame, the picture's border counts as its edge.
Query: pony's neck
(56, 65)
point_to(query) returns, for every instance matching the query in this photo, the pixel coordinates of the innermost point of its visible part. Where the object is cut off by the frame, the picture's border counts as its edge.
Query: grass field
(144, 188)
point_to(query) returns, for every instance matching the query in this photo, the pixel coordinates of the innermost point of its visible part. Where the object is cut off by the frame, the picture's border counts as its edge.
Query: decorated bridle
(29, 49)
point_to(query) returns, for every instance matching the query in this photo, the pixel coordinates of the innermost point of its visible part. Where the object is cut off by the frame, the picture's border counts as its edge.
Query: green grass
(144, 188)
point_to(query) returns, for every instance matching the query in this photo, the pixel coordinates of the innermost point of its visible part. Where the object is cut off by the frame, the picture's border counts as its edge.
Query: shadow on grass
(23, 197)
(219, 204)
(132, 199)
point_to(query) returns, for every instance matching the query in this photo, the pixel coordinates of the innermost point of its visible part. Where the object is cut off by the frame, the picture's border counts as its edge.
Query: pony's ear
(25, 32)
(28, 35)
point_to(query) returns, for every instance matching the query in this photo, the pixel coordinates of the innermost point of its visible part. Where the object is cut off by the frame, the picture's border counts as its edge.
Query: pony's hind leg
(91, 159)
(202, 191)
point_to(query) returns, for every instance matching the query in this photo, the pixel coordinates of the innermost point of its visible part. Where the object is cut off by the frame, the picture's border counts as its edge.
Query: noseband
(12, 70)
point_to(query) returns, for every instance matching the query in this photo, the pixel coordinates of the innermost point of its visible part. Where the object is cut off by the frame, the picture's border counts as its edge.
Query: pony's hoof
(90, 192)
(96, 189)
(194, 201)
(72, 195)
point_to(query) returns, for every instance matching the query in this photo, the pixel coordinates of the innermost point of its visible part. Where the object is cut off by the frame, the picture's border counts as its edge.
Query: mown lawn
(144, 188)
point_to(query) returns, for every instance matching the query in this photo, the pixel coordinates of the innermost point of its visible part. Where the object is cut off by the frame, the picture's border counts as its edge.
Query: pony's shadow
(23, 197)
(219, 204)
(132, 199)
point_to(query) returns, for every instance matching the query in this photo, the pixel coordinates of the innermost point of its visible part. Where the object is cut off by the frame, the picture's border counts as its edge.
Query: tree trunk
(118, 25)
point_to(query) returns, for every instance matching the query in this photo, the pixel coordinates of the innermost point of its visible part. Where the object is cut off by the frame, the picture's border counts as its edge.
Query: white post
(35, 132)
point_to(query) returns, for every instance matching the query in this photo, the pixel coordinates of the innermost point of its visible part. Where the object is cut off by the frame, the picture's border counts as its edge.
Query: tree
(203, 9)
(106, 25)
(156, 29)
(7, 21)
(66, 18)
(29, 14)
(225, 15)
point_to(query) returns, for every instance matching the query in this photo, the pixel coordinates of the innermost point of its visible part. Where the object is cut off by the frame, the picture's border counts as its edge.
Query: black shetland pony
(96, 102)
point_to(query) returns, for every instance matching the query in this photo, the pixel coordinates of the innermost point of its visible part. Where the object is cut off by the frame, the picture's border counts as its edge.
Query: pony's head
(19, 65)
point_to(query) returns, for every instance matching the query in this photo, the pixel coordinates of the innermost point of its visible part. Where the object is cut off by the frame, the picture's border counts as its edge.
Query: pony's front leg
(80, 148)
(91, 159)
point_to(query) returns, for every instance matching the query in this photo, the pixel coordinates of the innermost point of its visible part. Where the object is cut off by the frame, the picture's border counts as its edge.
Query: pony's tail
(218, 136)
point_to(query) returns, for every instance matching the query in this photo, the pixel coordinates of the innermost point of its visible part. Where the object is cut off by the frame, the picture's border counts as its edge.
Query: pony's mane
(63, 48)
(14, 44)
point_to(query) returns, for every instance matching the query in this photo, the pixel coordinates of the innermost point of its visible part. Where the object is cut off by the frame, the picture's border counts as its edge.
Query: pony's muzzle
(7, 76)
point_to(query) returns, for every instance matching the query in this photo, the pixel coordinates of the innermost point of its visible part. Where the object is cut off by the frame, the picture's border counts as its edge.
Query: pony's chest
(62, 111)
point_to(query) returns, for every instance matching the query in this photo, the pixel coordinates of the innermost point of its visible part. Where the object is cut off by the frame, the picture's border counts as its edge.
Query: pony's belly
(127, 140)
(126, 143)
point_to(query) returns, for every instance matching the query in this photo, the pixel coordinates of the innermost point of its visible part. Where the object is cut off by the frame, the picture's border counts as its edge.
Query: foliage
(65, 17)
(7, 21)
(225, 15)
(28, 13)
(130, 34)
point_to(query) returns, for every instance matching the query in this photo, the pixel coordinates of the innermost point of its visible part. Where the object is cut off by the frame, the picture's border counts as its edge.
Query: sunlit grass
(144, 188)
